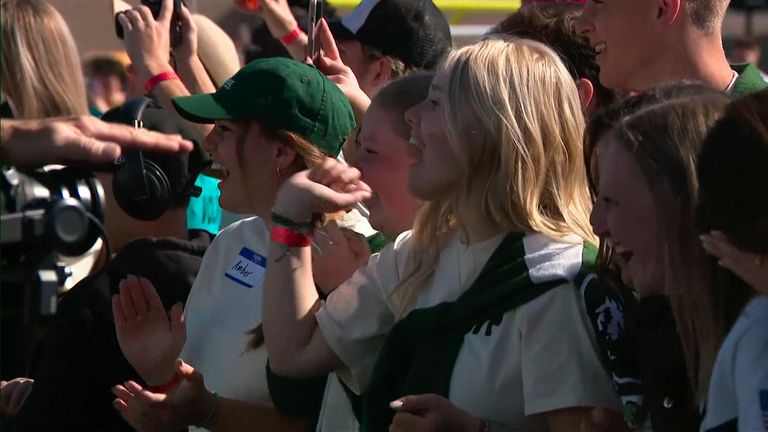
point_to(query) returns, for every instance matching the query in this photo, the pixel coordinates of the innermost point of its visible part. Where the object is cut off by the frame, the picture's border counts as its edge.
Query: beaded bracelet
(285, 222)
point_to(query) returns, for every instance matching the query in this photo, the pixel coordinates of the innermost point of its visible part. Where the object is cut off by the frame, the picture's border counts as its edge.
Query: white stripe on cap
(357, 17)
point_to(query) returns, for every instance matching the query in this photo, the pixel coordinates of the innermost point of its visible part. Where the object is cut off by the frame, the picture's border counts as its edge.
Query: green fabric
(377, 242)
(420, 351)
(203, 212)
(286, 94)
(749, 81)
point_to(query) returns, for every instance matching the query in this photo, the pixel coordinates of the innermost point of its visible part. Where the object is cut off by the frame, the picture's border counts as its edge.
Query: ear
(285, 155)
(586, 93)
(380, 71)
(668, 11)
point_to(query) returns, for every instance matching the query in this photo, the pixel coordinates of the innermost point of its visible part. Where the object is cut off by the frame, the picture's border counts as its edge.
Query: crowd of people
(563, 226)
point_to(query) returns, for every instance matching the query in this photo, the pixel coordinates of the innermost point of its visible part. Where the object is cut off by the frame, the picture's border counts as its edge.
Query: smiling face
(435, 174)
(624, 215)
(623, 34)
(384, 160)
(248, 176)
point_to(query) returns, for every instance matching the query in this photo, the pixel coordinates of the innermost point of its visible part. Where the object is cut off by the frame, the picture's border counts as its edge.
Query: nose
(585, 22)
(209, 142)
(412, 115)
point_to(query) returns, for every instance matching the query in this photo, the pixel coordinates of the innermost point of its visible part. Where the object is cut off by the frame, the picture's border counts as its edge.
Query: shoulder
(749, 331)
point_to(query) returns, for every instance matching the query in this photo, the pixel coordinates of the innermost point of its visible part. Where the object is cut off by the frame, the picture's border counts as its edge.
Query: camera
(154, 6)
(44, 213)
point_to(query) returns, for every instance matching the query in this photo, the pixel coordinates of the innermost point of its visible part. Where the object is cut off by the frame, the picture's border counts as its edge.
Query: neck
(699, 57)
(173, 224)
(478, 228)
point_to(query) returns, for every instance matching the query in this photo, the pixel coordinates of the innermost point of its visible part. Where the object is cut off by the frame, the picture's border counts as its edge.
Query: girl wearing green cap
(478, 304)
(274, 118)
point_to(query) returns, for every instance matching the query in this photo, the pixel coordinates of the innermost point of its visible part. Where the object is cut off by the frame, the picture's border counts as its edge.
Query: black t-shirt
(79, 356)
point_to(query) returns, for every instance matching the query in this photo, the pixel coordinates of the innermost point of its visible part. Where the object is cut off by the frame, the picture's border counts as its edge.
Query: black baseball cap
(412, 31)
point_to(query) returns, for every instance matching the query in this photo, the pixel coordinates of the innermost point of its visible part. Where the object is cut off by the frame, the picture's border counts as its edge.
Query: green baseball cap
(286, 94)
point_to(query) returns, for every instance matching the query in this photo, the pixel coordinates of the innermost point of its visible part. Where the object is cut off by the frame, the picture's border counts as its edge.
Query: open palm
(150, 338)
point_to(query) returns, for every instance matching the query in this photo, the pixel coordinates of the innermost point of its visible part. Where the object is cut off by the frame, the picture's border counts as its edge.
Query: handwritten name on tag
(247, 269)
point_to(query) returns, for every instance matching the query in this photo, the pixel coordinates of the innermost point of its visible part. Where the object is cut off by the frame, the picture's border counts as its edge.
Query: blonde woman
(479, 303)
(40, 66)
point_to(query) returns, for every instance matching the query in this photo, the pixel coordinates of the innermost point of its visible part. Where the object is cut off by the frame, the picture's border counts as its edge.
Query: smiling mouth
(217, 170)
(600, 47)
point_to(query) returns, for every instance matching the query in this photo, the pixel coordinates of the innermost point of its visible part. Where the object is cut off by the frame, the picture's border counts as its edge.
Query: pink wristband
(157, 79)
(292, 36)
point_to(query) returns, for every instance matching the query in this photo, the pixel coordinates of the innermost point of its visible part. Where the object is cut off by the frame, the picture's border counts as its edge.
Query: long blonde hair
(514, 120)
(41, 69)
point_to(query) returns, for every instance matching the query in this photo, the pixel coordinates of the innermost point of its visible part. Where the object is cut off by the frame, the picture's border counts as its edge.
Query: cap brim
(340, 32)
(200, 108)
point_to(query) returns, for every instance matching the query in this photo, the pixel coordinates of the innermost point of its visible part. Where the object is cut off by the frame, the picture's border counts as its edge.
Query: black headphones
(140, 187)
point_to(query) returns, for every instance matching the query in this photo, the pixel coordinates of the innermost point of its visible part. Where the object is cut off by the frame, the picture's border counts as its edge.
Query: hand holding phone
(315, 14)
(154, 6)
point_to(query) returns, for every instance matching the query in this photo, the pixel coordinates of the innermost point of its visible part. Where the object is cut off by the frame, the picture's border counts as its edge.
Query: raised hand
(187, 50)
(340, 252)
(147, 40)
(329, 62)
(752, 268)
(150, 339)
(13, 393)
(328, 188)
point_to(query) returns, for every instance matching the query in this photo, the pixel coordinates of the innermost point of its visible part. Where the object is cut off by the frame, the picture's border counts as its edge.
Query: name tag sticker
(247, 269)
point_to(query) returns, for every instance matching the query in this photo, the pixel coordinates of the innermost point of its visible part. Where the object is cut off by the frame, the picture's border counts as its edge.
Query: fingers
(122, 393)
(119, 316)
(145, 14)
(325, 37)
(131, 138)
(166, 11)
(407, 422)
(186, 17)
(416, 404)
(178, 326)
(126, 300)
(140, 302)
(149, 293)
(125, 22)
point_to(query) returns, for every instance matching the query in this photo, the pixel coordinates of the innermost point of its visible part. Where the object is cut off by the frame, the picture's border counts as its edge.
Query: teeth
(600, 47)
(219, 166)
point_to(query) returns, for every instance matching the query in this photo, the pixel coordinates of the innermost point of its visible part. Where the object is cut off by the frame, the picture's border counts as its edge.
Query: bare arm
(233, 414)
(280, 22)
(147, 42)
(295, 344)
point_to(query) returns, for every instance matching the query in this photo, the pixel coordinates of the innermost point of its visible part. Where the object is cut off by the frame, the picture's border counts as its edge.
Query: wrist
(150, 69)
(293, 208)
(159, 379)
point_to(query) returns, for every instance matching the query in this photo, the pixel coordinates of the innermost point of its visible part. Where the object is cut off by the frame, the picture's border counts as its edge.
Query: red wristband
(157, 79)
(163, 388)
(290, 238)
(292, 36)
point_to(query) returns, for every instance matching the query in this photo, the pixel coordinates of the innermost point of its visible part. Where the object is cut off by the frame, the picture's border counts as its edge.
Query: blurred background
(92, 24)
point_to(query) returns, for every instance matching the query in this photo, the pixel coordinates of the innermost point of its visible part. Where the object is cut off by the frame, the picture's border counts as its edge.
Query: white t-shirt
(541, 357)
(738, 388)
(223, 306)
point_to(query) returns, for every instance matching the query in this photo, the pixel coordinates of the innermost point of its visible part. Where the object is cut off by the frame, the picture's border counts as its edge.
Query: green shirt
(749, 80)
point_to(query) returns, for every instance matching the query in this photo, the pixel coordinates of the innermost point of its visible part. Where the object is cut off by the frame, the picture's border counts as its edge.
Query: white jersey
(537, 358)
(224, 305)
(738, 388)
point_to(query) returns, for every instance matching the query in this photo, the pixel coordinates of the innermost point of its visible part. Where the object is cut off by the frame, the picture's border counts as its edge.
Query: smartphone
(154, 6)
(315, 13)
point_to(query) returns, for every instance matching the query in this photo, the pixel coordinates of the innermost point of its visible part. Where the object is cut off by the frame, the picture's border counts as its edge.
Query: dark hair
(663, 128)
(746, 43)
(733, 175)
(106, 66)
(733, 194)
(402, 94)
(555, 26)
